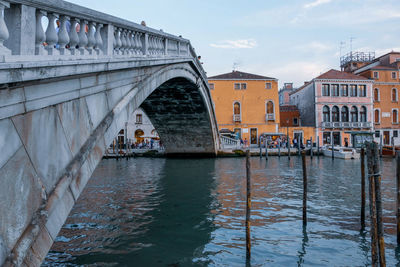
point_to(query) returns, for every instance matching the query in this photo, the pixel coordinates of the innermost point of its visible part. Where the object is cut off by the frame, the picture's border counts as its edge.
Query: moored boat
(341, 152)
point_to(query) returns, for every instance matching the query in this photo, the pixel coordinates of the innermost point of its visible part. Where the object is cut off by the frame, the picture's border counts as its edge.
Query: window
(345, 90)
(270, 111)
(377, 118)
(375, 75)
(393, 75)
(243, 86)
(395, 119)
(394, 94)
(326, 138)
(236, 108)
(363, 90)
(326, 115)
(325, 89)
(335, 90)
(295, 121)
(377, 134)
(237, 86)
(354, 114)
(240, 86)
(211, 85)
(335, 114)
(139, 118)
(268, 85)
(395, 133)
(345, 114)
(376, 95)
(363, 114)
(353, 90)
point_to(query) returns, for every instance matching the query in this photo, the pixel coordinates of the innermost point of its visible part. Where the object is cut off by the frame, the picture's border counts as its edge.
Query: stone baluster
(158, 44)
(51, 35)
(124, 42)
(63, 38)
(119, 42)
(40, 36)
(91, 38)
(165, 46)
(73, 36)
(99, 40)
(130, 43)
(3, 30)
(83, 40)
(115, 42)
(140, 42)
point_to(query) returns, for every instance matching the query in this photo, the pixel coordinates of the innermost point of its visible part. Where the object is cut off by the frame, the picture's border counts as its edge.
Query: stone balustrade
(75, 32)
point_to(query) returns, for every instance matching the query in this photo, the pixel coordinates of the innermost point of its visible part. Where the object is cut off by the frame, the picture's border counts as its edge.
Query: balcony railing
(237, 117)
(270, 117)
(346, 125)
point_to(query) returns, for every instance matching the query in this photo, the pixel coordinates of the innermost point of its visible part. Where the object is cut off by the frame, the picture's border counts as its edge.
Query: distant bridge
(65, 92)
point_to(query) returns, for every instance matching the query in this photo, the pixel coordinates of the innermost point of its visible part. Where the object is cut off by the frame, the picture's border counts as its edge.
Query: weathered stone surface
(38, 250)
(98, 108)
(74, 116)
(59, 213)
(9, 141)
(80, 181)
(20, 197)
(43, 137)
(51, 88)
(11, 110)
(3, 251)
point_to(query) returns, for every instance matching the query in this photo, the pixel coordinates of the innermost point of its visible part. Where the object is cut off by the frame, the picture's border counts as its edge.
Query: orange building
(247, 104)
(384, 70)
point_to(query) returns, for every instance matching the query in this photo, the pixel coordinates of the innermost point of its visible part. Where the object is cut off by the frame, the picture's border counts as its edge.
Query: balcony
(270, 117)
(237, 118)
(345, 125)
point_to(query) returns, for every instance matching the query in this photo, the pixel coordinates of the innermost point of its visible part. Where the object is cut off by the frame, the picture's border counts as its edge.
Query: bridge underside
(177, 111)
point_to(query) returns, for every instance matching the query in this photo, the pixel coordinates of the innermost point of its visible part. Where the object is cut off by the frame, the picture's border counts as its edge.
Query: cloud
(316, 3)
(228, 44)
(315, 47)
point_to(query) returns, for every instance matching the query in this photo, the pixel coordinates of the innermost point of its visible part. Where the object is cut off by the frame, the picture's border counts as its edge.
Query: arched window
(377, 117)
(363, 114)
(394, 95)
(395, 119)
(376, 95)
(354, 114)
(270, 107)
(326, 115)
(335, 114)
(236, 108)
(139, 135)
(345, 114)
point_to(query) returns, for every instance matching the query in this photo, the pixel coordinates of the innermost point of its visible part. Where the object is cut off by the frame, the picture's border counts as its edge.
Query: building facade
(246, 104)
(337, 104)
(284, 97)
(385, 72)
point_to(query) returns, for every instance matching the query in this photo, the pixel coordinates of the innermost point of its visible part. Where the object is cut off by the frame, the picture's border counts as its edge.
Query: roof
(301, 87)
(340, 75)
(239, 75)
(288, 108)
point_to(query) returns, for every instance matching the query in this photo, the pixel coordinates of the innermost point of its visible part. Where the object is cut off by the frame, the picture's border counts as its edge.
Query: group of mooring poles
(248, 197)
(372, 152)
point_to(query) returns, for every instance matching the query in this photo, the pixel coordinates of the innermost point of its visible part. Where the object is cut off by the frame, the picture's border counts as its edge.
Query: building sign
(385, 114)
(245, 130)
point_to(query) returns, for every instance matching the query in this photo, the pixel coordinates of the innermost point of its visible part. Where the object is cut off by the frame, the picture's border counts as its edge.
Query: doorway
(336, 138)
(386, 137)
(253, 136)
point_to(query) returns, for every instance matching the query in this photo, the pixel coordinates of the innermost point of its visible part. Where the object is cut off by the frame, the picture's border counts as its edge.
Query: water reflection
(168, 212)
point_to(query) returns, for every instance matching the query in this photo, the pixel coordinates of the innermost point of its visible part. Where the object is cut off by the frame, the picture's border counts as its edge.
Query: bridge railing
(75, 32)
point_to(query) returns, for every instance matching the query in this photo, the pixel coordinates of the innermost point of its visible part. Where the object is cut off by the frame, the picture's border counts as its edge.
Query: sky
(291, 40)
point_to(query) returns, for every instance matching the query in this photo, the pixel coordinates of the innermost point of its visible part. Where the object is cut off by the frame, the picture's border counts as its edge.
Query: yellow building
(246, 104)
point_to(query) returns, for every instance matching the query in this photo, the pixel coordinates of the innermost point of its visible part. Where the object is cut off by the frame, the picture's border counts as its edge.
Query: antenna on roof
(351, 44)
(235, 66)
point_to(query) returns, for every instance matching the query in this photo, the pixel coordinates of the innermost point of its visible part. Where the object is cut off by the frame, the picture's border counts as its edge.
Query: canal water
(190, 212)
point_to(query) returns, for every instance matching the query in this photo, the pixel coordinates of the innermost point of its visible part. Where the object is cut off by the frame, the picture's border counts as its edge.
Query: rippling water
(175, 212)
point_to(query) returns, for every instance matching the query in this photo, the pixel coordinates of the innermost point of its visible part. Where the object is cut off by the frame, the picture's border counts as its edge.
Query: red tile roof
(238, 75)
(340, 75)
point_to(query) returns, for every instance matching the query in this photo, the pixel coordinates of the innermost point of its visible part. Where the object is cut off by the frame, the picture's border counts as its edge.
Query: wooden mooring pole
(288, 147)
(362, 188)
(393, 148)
(279, 148)
(377, 240)
(332, 151)
(318, 146)
(266, 151)
(398, 196)
(380, 146)
(248, 205)
(311, 150)
(303, 159)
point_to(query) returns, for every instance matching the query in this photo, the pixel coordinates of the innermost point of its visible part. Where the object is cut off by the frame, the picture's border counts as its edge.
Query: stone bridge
(65, 92)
